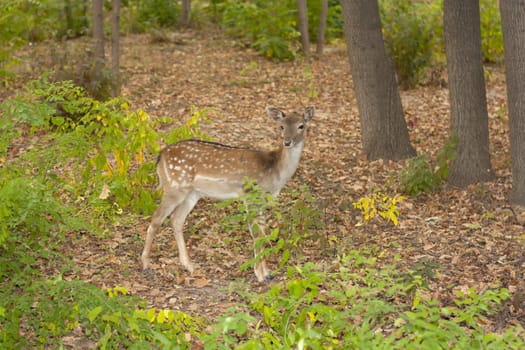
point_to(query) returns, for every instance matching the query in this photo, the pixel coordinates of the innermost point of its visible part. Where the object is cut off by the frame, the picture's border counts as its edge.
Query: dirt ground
(471, 236)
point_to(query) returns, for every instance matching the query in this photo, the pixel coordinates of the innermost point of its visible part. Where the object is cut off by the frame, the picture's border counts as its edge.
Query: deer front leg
(261, 270)
(167, 205)
(177, 221)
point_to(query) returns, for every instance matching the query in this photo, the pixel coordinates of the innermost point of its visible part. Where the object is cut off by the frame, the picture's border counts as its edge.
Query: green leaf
(93, 313)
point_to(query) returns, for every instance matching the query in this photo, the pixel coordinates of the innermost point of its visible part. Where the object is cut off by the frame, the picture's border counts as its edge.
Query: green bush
(22, 22)
(268, 26)
(334, 19)
(357, 304)
(271, 26)
(110, 148)
(55, 313)
(91, 159)
(28, 205)
(421, 176)
(13, 21)
(409, 34)
(296, 218)
(491, 36)
(418, 177)
(153, 14)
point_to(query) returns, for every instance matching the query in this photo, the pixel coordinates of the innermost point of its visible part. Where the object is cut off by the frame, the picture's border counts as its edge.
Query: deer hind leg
(168, 203)
(261, 270)
(177, 221)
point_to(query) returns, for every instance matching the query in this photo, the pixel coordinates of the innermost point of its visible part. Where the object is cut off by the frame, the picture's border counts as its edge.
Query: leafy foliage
(334, 19)
(107, 144)
(409, 31)
(72, 171)
(491, 36)
(268, 26)
(379, 204)
(153, 14)
(357, 305)
(91, 160)
(56, 310)
(413, 34)
(24, 22)
(297, 217)
(420, 176)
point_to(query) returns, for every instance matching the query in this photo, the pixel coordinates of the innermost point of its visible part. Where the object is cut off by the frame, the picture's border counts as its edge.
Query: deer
(193, 169)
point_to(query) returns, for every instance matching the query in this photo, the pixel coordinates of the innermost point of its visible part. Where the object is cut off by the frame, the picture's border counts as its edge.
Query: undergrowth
(71, 165)
(357, 304)
(421, 176)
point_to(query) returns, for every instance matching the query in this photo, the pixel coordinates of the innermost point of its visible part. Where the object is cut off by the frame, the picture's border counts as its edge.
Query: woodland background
(366, 253)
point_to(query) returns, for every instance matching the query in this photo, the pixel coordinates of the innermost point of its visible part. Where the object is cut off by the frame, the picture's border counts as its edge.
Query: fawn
(191, 170)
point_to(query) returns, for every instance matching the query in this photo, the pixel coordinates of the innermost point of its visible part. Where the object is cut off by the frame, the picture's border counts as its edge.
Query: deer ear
(275, 113)
(309, 113)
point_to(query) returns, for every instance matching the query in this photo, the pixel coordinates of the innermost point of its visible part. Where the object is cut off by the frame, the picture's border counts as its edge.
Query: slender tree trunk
(383, 127)
(115, 47)
(98, 37)
(69, 18)
(513, 24)
(468, 102)
(185, 13)
(303, 26)
(322, 27)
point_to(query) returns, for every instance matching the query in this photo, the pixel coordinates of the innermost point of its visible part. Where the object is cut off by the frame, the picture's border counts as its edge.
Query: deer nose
(287, 143)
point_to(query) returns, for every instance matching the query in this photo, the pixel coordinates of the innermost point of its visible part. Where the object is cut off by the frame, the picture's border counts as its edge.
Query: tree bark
(513, 25)
(98, 37)
(69, 17)
(115, 47)
(383, 127)
(468, 102)
(303, 26)
(322, 27)
(185, 11)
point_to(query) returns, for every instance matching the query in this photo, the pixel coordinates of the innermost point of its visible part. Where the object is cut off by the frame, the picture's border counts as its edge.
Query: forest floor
(469, 238)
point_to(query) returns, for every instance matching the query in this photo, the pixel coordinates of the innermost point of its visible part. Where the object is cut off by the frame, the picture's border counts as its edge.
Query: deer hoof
(190, 268)
(264, 279)
(145, 263)
(149, 273)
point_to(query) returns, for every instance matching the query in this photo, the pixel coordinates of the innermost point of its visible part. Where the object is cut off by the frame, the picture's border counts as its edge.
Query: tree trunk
(383, 127)
(69, 18)
(513, 24)
(322, 27)
(468, 102)
(98, 37)
(115, 47)
(185, 13)
(303, 26)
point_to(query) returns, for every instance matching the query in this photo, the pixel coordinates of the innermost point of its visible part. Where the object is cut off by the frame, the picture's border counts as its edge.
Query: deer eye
(282, 127)
(301, 126)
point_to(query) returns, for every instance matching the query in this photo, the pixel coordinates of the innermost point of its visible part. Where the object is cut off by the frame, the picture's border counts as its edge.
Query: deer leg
(261, 270)
(177, 221)
(168, 203)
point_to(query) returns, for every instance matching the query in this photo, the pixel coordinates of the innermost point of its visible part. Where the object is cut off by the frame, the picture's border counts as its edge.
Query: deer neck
(287, 163)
